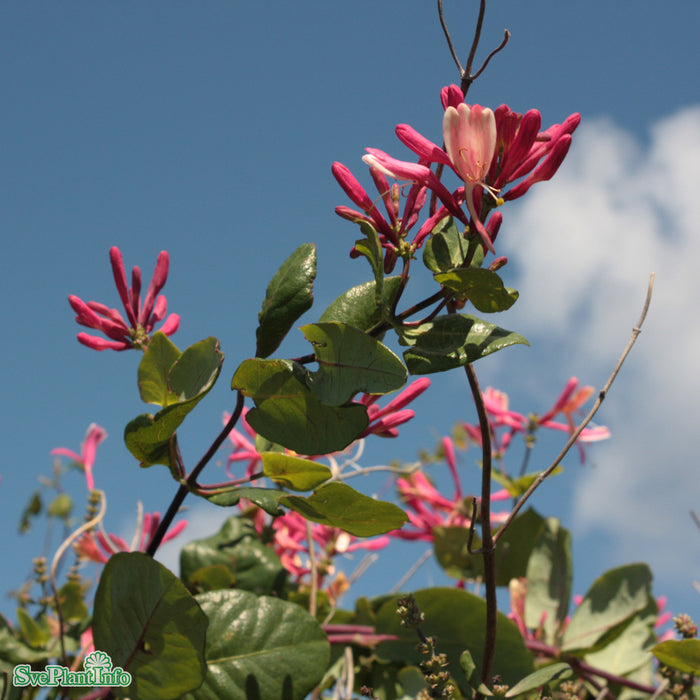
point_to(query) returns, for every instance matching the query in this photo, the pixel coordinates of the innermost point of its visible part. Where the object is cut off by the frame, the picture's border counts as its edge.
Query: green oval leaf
(483, 288)
(294, 472)
(350, 361)
(554, 672)
(457, 620)
(453, 341)
(339, 505)
(194, 373)
(358, 306)
(516, 545)
(267, 499)
(683, 655)
(549, 574)
(446, 248)
(189, 380)
(150, 626)
(629, 650)
(260, 647)
(154, 368)
(452, 552)
(288, 296)
(612, 599)
(255, 566)
(371, 248)
(287, 413)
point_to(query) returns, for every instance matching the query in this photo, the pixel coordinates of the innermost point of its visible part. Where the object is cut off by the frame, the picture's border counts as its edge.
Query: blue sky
(209, 129)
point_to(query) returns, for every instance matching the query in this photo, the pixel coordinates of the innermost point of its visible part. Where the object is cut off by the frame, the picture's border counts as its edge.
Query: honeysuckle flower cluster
(292, 546)
(506, 424)
(98, 547)
(88, 451)
(141, 318)
(427, 508)
(486, 149)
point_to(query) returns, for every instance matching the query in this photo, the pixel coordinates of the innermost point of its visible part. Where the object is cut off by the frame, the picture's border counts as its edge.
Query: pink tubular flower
(428, 508)
(140, 318)
(384, 422)
(99, 547)
(88, 450)
(292, 546)
(244, 449)
(364, 635)
(470, 140)
(505, 424)
(487, 150)
(392, 233)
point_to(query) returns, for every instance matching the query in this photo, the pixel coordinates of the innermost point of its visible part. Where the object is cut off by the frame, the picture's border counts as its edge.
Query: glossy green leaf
(255, 566)
(456, 619)
(549, 573)
(154, 370)
(483, 288)
(453, 341)
(35, 633)
(683, 655)
(155, 630)
(516, 545)
(73, 607)
(451, 550)
(189, 380)
(371, 248)
(358, 306)
(446, 248)
(260, 648)
(554, 672)
(211, 578)
(629, 650)
(412, 681)
(466, 663)
(350, 361)
(288, 296)
(267, 499)
(287, 412)
(612, 599)
(194, 373)
(294, 472)
(31, 510)
(339, 505)
(13, 651)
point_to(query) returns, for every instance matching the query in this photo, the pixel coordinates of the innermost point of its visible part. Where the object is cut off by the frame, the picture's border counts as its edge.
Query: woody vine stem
(489, 540)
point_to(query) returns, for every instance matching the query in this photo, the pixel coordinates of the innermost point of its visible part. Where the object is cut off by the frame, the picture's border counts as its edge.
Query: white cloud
(585, 244)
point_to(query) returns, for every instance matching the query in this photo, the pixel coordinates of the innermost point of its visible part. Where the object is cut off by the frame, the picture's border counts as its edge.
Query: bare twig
(475, 43)
(695, 518)
(450, 45)
(465, 74)
(575, 435)
(57, 558)
(500, 47)
(421, 560)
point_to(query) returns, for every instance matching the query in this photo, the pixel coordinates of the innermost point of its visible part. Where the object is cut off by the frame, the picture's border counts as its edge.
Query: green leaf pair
(310, 412)
(178, 382)
(335, 504)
